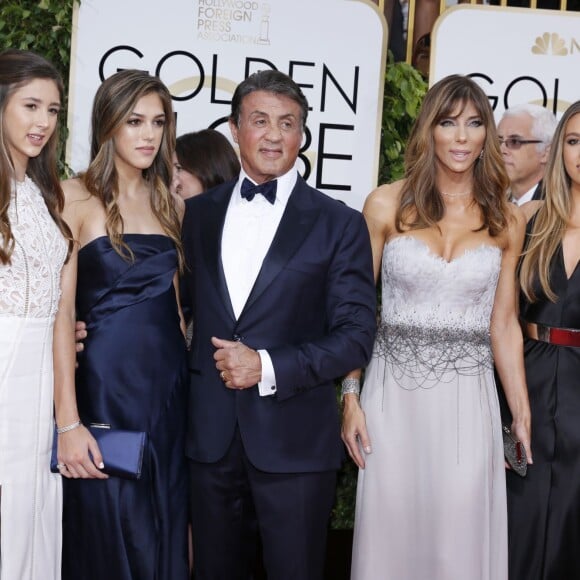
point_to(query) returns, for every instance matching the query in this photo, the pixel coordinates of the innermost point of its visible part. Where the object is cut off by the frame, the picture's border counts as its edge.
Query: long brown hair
(421, 204)
(551, 220)
(18, 68)
(113, 104)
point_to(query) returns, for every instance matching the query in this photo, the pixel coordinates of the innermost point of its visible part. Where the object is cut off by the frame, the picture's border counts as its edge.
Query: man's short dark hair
(270, 81)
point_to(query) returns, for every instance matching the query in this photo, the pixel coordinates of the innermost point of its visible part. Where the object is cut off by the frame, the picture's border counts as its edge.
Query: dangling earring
(481, 154)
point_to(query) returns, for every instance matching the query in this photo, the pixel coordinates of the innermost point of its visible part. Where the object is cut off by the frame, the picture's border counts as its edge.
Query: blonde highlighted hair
(551, 220)
(421, 204)
(114, 103)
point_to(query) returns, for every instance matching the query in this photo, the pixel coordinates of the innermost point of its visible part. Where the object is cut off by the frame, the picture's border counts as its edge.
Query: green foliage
(343, 512)
(45, 27)
(404, 92)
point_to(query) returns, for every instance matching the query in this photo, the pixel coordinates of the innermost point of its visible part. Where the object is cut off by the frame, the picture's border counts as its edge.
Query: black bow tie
(268, 190)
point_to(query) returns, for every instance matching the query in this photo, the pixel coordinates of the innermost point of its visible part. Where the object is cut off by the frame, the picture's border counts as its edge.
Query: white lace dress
(30, 504)
(431, 503)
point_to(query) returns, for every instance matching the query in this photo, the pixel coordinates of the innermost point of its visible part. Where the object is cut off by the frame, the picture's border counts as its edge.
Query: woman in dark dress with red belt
(544, 507)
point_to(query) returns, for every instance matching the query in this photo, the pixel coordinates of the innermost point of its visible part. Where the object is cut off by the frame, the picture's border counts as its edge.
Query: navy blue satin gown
(544, 506)
(131, 375)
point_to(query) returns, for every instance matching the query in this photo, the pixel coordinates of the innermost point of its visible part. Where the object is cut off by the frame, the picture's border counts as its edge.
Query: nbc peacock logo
(550, 43)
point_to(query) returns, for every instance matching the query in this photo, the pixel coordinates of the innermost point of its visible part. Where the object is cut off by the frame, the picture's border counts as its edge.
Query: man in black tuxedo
(525, 132)
(283, 301)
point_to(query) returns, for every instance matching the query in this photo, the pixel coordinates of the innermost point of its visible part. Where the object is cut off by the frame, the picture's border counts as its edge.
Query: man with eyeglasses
(525, 132)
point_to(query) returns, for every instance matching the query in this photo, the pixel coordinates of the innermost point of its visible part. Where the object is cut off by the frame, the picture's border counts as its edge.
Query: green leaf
(403, 94)
(44, 26)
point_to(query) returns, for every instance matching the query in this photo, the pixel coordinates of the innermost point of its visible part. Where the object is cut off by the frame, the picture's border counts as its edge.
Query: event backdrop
(334, 49)
(517, 55)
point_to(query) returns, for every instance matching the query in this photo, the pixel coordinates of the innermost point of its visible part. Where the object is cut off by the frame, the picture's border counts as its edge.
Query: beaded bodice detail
(30, 285)
(436, 314)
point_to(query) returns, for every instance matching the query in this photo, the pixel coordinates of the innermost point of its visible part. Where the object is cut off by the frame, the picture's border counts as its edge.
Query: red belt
(559, 336)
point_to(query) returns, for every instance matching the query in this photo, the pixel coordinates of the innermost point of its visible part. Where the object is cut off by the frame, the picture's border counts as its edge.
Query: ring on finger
(223, 377)
(61, 466)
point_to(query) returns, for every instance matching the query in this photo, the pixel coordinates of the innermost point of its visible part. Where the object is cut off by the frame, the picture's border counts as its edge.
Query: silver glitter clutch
(514, 451)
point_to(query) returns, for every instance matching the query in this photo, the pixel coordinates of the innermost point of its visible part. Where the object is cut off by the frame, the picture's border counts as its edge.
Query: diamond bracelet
(349, 385)
(70, 427)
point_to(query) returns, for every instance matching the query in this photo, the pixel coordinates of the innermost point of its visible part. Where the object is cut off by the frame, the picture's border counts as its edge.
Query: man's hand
(80, 335)
(240, 366)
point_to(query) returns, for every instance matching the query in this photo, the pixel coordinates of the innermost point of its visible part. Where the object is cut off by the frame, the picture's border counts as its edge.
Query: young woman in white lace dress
(431, 501)
(33, 248)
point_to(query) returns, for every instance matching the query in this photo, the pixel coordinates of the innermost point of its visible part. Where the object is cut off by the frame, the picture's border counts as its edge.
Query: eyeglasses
(515, 143)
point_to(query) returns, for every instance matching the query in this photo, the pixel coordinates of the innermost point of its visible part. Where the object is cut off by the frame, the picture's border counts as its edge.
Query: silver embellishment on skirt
(431, 355)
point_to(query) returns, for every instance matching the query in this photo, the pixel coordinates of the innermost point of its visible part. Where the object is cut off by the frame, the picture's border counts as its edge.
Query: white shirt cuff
(267, 386)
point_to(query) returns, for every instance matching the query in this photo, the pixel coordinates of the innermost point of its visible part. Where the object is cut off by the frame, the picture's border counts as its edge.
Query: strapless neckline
(100, 239)
(431, 254)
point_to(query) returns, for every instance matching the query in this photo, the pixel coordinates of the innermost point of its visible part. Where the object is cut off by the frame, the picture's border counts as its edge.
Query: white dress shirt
(526, 196)
(249, 229)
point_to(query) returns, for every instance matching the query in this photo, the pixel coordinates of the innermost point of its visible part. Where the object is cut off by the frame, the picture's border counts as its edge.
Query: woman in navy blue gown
(131, 374)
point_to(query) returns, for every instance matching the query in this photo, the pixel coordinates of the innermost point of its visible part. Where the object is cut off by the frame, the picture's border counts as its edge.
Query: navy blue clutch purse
(122, 451)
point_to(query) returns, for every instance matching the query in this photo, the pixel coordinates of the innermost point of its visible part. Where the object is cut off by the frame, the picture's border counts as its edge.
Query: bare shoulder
(382, 203)
(516, 216)
(530, 208)
(380, 211)
(516, 228)
(79, 204)
(75, 191)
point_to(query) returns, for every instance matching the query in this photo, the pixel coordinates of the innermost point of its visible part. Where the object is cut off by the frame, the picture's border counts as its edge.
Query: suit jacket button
(237, 337)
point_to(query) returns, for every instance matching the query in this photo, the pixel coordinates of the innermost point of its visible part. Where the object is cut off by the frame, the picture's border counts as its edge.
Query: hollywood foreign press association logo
(550, 43)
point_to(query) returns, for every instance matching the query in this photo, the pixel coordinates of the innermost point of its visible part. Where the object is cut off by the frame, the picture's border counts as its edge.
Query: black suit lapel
(296, 223)
(212, 225)
(538, 192)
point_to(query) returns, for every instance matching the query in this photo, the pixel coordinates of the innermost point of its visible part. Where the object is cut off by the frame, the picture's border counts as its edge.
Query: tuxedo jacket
(538, 192)
(312, 308)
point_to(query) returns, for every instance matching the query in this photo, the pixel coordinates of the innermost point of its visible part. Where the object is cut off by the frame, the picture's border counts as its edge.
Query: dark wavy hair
(209, 156)
(421, 204)
(18, 68)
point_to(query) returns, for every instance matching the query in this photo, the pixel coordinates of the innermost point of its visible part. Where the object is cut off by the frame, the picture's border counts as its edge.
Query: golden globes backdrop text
(517, 55)
(201, 49)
